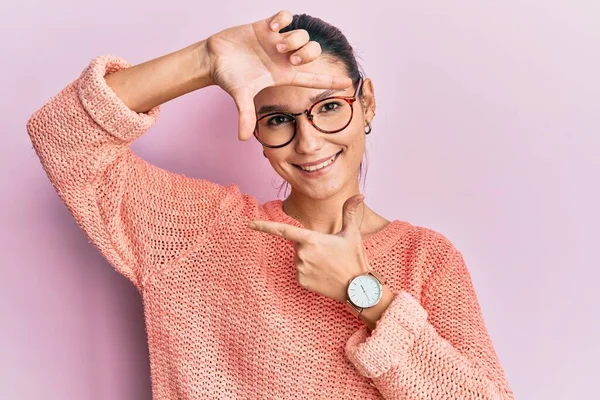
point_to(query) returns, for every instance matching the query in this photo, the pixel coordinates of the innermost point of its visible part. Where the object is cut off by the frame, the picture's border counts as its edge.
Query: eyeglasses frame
(308, 112)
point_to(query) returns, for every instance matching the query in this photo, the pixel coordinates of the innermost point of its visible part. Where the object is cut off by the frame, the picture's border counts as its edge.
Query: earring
(368, 128)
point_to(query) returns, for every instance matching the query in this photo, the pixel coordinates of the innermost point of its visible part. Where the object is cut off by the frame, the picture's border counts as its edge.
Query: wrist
(199, 67)
(371, 315)
(371, 311)
(196, 62)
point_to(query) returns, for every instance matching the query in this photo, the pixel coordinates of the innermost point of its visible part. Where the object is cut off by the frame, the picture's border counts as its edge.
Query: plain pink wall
(487, 131)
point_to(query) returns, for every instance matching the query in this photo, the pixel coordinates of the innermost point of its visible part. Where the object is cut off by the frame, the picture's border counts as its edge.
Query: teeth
(319, 166)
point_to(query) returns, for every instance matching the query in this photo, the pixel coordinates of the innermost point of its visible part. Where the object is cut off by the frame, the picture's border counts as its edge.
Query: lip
(310, 164)
(319, 173)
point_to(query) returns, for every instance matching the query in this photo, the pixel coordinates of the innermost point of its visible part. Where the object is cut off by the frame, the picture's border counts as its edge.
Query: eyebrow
(282, 108)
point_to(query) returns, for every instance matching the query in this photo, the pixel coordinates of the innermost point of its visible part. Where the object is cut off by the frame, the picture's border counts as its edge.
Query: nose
(308, 139)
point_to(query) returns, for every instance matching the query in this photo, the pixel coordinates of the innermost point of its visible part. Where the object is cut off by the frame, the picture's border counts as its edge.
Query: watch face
(364, 291)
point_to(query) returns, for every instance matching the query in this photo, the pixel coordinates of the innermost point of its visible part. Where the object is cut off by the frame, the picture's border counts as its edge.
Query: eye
(330, 106)
(279, 119)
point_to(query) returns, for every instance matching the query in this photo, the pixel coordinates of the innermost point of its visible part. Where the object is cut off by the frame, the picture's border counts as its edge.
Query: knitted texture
(225, 316)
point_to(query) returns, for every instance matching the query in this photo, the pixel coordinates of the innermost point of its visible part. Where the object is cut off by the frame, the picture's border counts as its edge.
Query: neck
(321, 215)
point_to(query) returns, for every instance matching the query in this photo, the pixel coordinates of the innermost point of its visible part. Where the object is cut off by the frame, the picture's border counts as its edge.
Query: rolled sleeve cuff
(105, 107)
(394, 334)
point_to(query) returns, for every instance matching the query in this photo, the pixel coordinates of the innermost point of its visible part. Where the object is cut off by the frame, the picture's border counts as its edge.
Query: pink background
(486, 130)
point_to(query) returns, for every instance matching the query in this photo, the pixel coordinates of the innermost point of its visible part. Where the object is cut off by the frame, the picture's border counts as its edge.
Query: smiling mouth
(314, 168)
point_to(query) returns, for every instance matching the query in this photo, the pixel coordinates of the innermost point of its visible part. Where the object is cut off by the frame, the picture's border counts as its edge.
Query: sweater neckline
(375, 244)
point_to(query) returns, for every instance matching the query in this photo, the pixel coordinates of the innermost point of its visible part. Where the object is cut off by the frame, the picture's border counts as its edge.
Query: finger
(293, 233)
(293, 40)
(244, 101)
(306, 54)
(280, 20)
(350, 210)
(321, 81)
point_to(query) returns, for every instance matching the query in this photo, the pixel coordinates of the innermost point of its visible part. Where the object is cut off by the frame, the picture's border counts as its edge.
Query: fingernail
(281, 47)
(251, 225)
(275, 26)
(296, 60)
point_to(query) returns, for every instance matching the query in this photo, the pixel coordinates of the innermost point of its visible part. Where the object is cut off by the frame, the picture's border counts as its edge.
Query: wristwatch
(364, 291)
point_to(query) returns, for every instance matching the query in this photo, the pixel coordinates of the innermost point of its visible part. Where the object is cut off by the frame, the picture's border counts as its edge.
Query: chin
(321, 190)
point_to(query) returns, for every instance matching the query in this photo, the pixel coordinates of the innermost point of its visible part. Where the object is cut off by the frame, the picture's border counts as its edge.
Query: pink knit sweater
(225, 316)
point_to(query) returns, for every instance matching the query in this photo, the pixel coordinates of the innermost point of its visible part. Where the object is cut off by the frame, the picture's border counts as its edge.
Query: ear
(368, 100)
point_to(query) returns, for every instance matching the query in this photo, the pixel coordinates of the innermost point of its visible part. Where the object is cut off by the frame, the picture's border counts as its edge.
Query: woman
(313, 297)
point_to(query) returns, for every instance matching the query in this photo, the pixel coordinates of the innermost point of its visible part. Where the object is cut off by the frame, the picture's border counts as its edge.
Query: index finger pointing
(286, 231)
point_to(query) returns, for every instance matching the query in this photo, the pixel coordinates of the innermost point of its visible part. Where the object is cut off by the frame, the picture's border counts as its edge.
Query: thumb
(244, 101)
(350, 210)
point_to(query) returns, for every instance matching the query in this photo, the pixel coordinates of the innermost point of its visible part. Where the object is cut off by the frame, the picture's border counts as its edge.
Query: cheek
(276, 158)
(355, 142)
(356, 151)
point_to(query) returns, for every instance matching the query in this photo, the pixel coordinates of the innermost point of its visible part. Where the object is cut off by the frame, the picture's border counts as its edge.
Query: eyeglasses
(331, 115)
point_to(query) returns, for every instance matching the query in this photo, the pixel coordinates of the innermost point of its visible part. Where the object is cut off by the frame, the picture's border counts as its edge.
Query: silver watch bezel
(379, 283)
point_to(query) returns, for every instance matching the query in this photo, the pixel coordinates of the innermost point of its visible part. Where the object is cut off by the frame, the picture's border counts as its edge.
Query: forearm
(407, 358)
(149, 84)
(434, 338)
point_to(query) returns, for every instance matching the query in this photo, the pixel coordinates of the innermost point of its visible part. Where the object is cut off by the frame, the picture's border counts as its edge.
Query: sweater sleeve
(139, 216)
(437, 349)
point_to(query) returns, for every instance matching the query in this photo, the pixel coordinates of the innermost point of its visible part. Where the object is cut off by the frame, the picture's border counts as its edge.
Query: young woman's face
(342, 151)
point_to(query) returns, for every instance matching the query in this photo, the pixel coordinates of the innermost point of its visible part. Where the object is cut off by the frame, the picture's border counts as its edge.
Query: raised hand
(248, 58)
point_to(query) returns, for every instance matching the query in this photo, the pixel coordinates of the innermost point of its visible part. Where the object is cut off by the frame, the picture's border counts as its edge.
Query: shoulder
(425, 239)
(427, 249)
